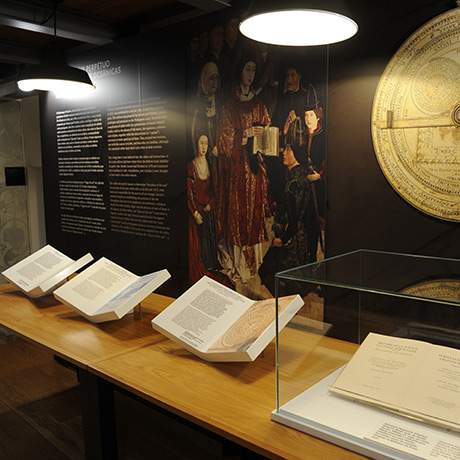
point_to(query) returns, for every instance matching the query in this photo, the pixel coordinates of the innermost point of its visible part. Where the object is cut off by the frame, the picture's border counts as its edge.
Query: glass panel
(400, 295)
(305, 354)
(395, 274)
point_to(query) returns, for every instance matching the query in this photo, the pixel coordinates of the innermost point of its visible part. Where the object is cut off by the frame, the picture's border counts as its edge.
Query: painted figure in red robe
(200, 200)
(243, 205)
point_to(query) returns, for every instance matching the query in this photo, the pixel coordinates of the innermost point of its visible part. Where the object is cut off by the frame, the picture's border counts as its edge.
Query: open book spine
(133, 300)
(414, 415)
(60, 278)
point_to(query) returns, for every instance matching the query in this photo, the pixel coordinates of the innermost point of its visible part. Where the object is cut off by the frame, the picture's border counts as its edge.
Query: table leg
(99, 428)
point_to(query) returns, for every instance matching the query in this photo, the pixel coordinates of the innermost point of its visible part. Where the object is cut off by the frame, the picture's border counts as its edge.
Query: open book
(218, 324)
(44, 270)
(266, 140)
(410, 377)
(105, 291)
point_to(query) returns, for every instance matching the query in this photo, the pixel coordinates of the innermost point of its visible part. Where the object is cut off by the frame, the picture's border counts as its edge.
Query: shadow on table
(41, 302)
(245, 372)
(45, 302)
(126, 328)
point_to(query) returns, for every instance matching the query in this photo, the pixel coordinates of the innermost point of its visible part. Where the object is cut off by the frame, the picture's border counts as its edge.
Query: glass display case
(345, 298)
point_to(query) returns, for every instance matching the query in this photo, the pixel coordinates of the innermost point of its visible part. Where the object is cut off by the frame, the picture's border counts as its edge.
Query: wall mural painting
(256, 195)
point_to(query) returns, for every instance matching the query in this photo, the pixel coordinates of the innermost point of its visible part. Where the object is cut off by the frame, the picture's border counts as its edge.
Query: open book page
(202, 314)
(127, 294)
(250, 326)
(381, 367)
(333, 418)
(38, 267)
(266, 140)
(96, 286)
(435, 393)
(407, 376)
(51, 283)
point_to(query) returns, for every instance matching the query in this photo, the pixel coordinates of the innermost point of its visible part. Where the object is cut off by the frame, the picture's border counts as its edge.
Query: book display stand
(138, 314)
(398, 396)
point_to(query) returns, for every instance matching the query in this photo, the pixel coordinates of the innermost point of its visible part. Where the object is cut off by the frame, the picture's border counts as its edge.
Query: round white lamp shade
(307, 23)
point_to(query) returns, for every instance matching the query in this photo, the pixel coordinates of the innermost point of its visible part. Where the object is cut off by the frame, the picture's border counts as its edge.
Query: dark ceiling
(27, 28)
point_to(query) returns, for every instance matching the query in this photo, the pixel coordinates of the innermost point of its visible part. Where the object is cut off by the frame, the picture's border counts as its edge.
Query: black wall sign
(114, 166)
(15, 175)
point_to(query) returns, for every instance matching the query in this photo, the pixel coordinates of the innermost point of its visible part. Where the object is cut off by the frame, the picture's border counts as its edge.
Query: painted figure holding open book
(243, 201)
(241, 96)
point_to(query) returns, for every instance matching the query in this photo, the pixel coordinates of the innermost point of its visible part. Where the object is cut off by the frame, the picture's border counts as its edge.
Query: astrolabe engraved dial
(416, 118)
(447, 289)
(250, 325)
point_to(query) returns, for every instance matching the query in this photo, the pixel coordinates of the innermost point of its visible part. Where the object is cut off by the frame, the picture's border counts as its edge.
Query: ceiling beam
(13, 54)
(171, 20)
(69, 26)
(185, 10)
(8, 88)
(208, 5)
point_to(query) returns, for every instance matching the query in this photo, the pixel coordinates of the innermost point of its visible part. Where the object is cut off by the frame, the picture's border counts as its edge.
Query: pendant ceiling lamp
(298, 23)
(55, 75)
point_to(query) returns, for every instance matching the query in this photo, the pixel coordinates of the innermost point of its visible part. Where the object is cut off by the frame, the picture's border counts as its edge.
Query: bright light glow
(299, 27)
(65, 89)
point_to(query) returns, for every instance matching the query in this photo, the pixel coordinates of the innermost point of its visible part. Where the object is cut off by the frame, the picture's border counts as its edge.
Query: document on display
(105, 291)
(218, 324)
(410, 377)
(43, 271)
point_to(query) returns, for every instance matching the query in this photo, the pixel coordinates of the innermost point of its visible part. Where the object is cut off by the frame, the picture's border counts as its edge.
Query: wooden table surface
(234, 400)
(63, 331)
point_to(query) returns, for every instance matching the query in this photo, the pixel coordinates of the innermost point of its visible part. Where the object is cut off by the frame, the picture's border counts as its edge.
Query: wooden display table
(67, 334)
(233, 400)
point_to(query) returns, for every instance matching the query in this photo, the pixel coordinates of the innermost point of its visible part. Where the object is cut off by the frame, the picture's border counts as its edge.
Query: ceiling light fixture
(55, 75)
(298, 23)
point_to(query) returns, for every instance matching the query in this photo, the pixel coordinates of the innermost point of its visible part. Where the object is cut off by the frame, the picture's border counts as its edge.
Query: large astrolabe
(416, 118)
(447, 289)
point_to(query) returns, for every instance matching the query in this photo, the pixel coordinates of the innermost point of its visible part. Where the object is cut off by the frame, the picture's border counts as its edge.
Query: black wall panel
(143, 82)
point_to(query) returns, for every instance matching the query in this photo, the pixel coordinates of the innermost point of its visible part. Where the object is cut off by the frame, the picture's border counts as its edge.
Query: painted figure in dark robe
(308, 133)
(290, 247)
(216, 45)
(316, 157)
(267, 85)
(292, 99)
(205, 114)
(231, 55)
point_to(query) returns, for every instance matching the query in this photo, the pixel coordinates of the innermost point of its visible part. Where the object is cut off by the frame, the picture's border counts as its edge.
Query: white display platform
(364, 429)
